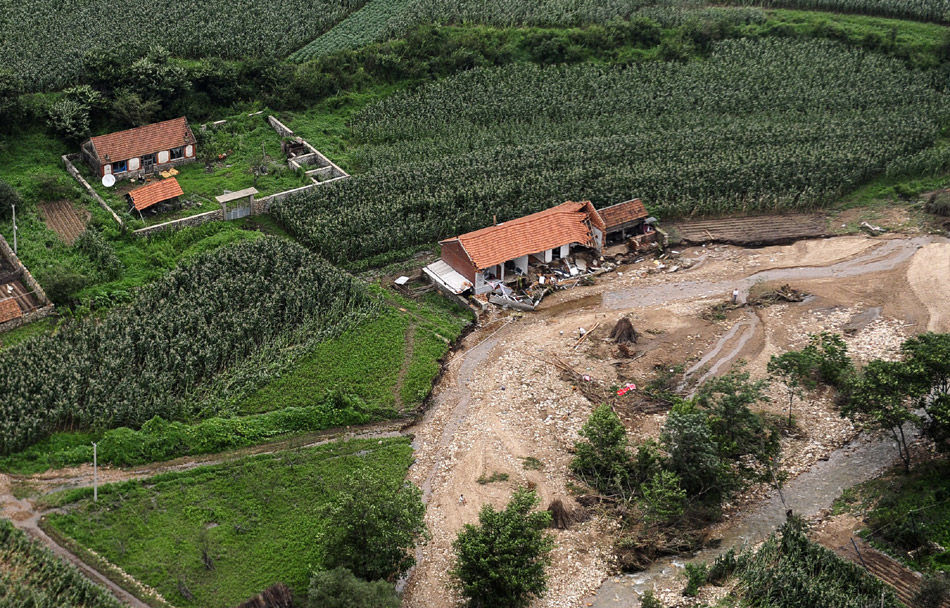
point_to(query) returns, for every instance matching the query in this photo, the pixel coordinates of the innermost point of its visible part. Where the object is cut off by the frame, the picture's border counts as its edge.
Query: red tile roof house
(470, 261)
(142, 150)
(628, 219)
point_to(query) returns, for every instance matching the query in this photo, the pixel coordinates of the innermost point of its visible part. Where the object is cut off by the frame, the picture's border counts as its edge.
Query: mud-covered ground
(503, 398)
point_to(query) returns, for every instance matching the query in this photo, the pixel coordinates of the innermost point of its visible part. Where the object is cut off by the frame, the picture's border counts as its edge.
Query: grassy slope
(258, 517)
(898, 506)
(368, 361)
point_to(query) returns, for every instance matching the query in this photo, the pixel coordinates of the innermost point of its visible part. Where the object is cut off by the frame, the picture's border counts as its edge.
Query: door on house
(148, 163)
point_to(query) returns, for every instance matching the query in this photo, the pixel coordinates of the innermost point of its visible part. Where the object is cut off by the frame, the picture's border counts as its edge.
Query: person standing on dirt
(735, 296)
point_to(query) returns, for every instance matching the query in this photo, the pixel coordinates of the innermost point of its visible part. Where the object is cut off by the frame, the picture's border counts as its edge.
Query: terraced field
(752, 230)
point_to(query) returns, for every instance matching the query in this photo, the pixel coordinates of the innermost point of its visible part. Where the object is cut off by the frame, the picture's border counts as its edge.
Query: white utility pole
(95, 475)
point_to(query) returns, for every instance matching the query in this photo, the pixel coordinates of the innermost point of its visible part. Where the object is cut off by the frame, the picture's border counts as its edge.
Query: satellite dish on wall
(108, 180)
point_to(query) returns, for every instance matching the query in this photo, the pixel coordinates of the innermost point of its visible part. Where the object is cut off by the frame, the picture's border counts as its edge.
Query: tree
(927, 378)
(602, 460)
(339, 588)
(663, 498)
(694, 455)
(372, 525)
(8, 198)
(880, 398)
(796, 370)
(129, 108)
(832, 363)
(502, 560)
(11, 88)
(738, 432)
(69, 118)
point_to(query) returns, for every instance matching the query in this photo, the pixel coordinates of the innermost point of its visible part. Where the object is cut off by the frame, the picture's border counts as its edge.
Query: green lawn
(258, 518)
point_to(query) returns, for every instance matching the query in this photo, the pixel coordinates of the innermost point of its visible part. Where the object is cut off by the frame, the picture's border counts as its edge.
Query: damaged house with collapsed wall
(537, 250)
(142, 150)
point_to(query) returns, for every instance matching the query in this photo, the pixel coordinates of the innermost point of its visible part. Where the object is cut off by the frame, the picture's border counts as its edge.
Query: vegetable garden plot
(183, 332)
(63, 219)
(759, 126)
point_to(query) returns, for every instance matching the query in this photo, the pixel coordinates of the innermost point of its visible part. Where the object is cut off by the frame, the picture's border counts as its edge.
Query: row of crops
(365, 26)
(32, 576)
(42, 42)
(157, 356)
(760, 126)
(508, 13)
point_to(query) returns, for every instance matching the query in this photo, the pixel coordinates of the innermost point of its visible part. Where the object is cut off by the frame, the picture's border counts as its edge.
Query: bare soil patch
(64, 219)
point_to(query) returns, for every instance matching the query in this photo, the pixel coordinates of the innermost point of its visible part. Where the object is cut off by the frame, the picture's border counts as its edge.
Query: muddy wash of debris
(505, 398)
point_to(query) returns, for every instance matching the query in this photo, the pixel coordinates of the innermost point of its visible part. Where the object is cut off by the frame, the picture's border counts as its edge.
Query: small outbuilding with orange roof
(145, 197)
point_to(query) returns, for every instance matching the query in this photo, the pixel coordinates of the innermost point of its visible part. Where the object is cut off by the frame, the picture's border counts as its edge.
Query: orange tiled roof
(622, 213)
(139, 141)
(566, 223)
(146, 196)
(9, 310)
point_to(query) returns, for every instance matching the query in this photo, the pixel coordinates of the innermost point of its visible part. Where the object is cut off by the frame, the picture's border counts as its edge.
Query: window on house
(120, 167)
(176, 153)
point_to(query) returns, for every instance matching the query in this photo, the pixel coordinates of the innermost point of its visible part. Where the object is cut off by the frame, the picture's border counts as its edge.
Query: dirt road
(502, 401)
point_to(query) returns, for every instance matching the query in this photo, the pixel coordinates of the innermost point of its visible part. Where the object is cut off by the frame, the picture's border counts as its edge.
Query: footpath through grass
(381, 362)
(223, 533)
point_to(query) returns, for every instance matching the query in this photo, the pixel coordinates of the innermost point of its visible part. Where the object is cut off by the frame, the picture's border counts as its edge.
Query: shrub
(69, 119)
(502, 560)
(372, 526)
(61, 284)
(8, 198)
(648, 600)
(601, 460)
(695, 578)
(339, 588)
(933, 591)
(101, 252)
(939, 203)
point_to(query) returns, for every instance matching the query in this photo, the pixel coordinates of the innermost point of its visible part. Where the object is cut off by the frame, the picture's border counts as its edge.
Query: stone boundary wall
(67, 160)
(193, 220)
(258, 206)
(46, 307)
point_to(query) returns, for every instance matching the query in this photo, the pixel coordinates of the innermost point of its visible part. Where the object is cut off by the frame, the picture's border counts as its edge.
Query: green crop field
(257, 518)
(31, 576)
(366, 25)
(185, 334)
(44, 42)
(763, 125)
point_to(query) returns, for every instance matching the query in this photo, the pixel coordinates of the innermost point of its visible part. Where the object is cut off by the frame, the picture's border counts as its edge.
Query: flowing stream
(862, 459)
